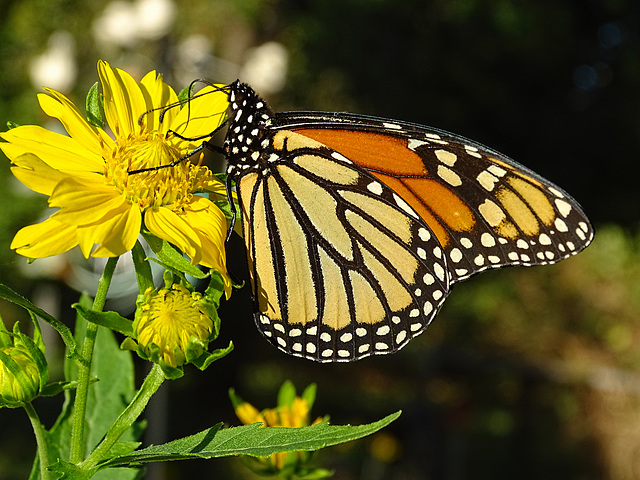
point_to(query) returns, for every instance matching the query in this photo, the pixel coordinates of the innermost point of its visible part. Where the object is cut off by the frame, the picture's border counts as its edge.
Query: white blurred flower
(193, 58)
(265, 68)
(155, 18)
(124, 24)
(56, 67)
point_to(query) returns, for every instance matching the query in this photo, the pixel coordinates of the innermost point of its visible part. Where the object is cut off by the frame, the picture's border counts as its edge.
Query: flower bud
(20, 378)
(172, 327)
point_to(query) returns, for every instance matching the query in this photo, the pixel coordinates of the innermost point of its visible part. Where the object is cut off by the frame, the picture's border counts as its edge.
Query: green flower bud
(20, 377)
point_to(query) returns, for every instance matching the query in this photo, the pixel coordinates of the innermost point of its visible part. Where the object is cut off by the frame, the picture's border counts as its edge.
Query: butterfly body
(356, 227)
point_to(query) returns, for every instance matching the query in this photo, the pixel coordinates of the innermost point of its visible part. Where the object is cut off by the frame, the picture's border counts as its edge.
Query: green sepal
(144, 275)
(94, 104)
(210, 301)
(170, 258)
(5, 336)
(184, 95)
(111, 320)
(286, 394)
(36, 353)
(155, 355)
(207, 358)
(236, 400)
(11, 125)
(309, 394)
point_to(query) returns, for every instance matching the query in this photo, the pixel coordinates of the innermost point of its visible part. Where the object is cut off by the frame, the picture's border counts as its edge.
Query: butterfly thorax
(247, 137)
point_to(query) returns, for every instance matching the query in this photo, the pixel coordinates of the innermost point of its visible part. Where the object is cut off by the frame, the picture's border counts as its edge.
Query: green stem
(77, 451)
(38, 430)
(127, 417)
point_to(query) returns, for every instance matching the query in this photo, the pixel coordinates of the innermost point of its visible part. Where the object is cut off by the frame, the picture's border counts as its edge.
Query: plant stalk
(77, 452)
(38, 430)
(126, 419)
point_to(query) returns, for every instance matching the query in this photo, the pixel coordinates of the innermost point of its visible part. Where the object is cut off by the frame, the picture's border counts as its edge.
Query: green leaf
(170, 258)
(94, 107)
(63, 330)
(110, 320)
(251, 440)
(107, 398)
(11, 125)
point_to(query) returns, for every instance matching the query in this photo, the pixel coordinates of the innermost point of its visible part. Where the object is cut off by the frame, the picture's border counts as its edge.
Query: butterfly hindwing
(487, 210)
(341, 267)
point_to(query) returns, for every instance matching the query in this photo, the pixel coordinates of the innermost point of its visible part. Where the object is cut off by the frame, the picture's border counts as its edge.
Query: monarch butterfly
(356, 227)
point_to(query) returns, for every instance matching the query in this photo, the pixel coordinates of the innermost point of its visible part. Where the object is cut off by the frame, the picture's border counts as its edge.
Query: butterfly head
(249, 119)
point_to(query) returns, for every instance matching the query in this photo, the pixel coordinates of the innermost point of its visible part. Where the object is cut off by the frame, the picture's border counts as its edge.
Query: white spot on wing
(449, 176)
(563, 207)
(375, 187)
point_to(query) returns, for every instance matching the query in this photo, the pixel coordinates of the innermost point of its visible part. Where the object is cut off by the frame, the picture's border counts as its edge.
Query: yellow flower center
(169, 319)
(166, 186)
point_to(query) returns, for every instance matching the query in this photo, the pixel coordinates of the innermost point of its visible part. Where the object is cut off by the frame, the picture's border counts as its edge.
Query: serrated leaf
(62, 329)
(251, 440)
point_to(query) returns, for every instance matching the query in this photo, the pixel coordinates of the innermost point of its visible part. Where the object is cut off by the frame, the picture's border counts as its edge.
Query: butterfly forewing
(486, 210)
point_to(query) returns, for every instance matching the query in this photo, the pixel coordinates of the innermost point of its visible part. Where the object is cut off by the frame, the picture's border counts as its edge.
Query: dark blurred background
(526, 373)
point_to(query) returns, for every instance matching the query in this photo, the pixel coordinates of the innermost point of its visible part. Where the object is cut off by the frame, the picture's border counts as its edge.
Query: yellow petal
(116, 235)
(44, 239)
(201, 116)
(211, 226)
(169, 226)
(272, 417)
(59, 106)
(84, 203)
(56, 150)
(123, 100)
(158, 94)
(248, 414)
(35, 174)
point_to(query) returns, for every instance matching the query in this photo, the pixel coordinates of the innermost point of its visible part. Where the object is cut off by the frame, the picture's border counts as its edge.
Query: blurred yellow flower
(86, 174)
(294, 413)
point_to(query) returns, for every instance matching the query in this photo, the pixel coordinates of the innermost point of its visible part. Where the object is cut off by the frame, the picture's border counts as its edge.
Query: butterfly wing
(486, 210)
(341, 267)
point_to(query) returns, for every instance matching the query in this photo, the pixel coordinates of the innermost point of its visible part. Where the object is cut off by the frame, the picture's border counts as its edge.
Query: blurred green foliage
(526, 373)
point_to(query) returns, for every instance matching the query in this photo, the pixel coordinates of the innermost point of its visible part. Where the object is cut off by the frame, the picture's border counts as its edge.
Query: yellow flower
(85, 174)
(172, 326)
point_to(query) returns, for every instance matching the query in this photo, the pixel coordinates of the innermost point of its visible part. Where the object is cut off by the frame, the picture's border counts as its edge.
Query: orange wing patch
(404, 171)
